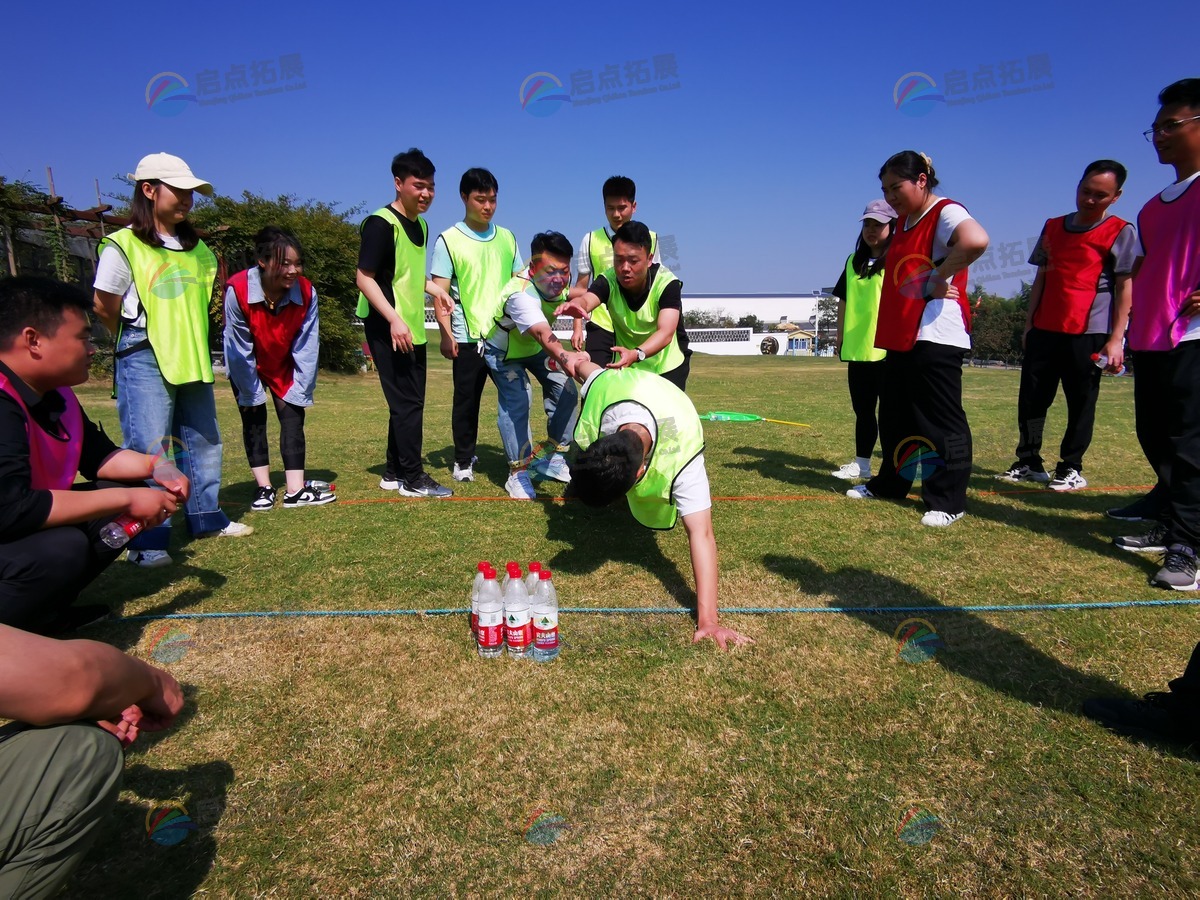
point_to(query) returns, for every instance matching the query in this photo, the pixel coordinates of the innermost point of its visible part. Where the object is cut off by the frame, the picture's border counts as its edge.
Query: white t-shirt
(521, 311)
(113, 276)
(941, 320)
(690, 492)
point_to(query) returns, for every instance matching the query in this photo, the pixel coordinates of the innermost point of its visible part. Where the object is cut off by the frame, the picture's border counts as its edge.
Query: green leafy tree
(753, 322)
(330, 240)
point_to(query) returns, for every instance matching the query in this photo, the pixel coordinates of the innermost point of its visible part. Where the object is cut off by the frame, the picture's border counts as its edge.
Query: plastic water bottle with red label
(489, 617)
(518, 624)
(1101, 361)
(531, 579)
(121, 530)
(545, 619)
(480, 569)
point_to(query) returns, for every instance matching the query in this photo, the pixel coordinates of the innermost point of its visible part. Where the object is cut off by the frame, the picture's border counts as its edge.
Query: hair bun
(928, 162)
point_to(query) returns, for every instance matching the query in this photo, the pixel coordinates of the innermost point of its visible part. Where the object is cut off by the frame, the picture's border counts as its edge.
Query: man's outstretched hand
(722, 635)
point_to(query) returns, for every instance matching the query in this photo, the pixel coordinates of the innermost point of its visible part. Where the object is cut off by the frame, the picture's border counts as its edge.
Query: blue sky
(758, 163)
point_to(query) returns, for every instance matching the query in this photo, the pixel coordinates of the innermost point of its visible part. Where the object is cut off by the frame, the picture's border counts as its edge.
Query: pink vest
(1169, 271)
(54, 461)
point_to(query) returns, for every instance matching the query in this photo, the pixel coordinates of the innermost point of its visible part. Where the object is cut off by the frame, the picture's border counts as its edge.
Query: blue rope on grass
(678, 610)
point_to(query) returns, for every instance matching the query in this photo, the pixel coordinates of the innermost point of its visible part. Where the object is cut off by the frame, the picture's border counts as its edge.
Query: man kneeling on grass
(640, 437)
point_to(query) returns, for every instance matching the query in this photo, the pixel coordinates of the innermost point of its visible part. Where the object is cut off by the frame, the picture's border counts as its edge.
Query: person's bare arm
(47, 682)
(703, 546)
(1122, 301)
(1035, 300)
(107, 308)
(449, 346)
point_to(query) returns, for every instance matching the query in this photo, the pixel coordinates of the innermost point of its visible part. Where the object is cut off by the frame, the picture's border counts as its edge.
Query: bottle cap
(484, 565)
(545, 575)
(489, 574)
(535, 566)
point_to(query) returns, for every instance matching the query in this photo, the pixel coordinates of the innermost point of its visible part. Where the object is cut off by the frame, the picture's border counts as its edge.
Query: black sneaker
(423, 486)
(1150, 506)
(1150, 542)
(1158, 715)
(264, 499)
(1179, 569)
(306, 496)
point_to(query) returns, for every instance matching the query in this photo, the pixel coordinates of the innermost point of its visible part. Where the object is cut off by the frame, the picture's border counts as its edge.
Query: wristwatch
(641, 354)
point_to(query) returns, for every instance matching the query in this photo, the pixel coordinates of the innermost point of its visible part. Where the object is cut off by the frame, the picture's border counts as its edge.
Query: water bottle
(531, 580)
(545, 619)
(1101, 360)
(509, 568)
(321, 487)
(518, 625)
(489, 631)
(483, 566)
(121, 530)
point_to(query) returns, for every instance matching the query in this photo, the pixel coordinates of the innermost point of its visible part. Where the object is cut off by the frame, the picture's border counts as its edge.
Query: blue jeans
(559, 397)
(175, 419)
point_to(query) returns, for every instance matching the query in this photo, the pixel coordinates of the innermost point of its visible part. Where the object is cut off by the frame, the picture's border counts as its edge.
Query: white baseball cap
(170, 170)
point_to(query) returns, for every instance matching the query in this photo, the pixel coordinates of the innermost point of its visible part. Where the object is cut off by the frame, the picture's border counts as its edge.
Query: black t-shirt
(672, 298)
(24, 510)
(377, 251)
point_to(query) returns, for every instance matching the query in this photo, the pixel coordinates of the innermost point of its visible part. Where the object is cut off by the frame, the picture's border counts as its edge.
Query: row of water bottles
(518, 612)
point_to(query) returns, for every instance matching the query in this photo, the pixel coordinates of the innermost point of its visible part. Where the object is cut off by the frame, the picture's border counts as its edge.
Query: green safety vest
(522, 346)
(862, 312)
(680, 436)
(632, 327)
(481, 268)
(408, 277)
(174, 287)
(600, 250)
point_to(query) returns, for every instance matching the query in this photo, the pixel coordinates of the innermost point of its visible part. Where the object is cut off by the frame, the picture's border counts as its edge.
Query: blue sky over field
(754, 131)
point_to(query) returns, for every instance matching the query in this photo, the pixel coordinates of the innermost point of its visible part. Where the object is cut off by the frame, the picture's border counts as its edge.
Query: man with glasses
(1164, 336)
(518, 343)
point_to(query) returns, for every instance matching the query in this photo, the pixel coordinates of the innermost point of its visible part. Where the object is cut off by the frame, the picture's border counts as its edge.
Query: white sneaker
(467, 472)
(233, 529)
(1068, 480)
(149, 559)
(850, 471)
(938, 519)
(389, 484)
(519, 486)
(860, 492)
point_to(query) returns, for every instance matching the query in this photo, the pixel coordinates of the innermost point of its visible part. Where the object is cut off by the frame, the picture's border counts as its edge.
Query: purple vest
(1169, 271)
(54, 461)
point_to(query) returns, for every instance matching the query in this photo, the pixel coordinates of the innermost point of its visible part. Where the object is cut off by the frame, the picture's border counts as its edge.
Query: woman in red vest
(271, 350)
(924, 325)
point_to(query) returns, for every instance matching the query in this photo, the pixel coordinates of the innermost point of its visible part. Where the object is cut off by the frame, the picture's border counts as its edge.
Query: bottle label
(518, 628)
(545, 630)
(490, 637)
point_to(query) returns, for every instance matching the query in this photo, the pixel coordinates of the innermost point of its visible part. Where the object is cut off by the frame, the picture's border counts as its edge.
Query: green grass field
(380, 757)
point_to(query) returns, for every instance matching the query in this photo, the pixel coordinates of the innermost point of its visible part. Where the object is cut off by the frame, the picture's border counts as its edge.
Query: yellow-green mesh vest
(632, 327)
(174, 287)
(862, 312)
(481, 269)
(408, 277)
(601, 253)
(522, 346)
(680, 436)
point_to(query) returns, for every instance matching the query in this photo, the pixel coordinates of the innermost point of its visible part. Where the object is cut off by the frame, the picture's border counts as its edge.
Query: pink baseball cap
(879, 211)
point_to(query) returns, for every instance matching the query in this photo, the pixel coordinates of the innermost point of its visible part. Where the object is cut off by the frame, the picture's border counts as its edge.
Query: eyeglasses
(1166, 128)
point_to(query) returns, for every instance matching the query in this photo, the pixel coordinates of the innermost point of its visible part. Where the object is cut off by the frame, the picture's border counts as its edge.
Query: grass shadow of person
(611, 534)
(973, 648)
(134, 853)
(815, 475)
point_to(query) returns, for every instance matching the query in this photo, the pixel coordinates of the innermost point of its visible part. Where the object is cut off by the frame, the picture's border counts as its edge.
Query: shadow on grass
(998, 659)
(128, 860)
(492, 465)
(611, 534)
(814, 475)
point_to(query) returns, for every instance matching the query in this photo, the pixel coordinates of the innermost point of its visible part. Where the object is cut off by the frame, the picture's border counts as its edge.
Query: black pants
(1052, 358)
(679, 375)
(291, 433)
(1187, 687)
(470, 374)
(865, 380)
(42, 574)
(1151, 409)
(923, 427)
(599, 343)
(402, 377)
(1179, 399)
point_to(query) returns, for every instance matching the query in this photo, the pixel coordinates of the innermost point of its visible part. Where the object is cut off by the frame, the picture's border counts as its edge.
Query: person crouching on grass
(271, 347)
(640, 437)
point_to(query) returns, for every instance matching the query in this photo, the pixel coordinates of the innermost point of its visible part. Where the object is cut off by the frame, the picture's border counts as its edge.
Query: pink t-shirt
(1169, 227)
